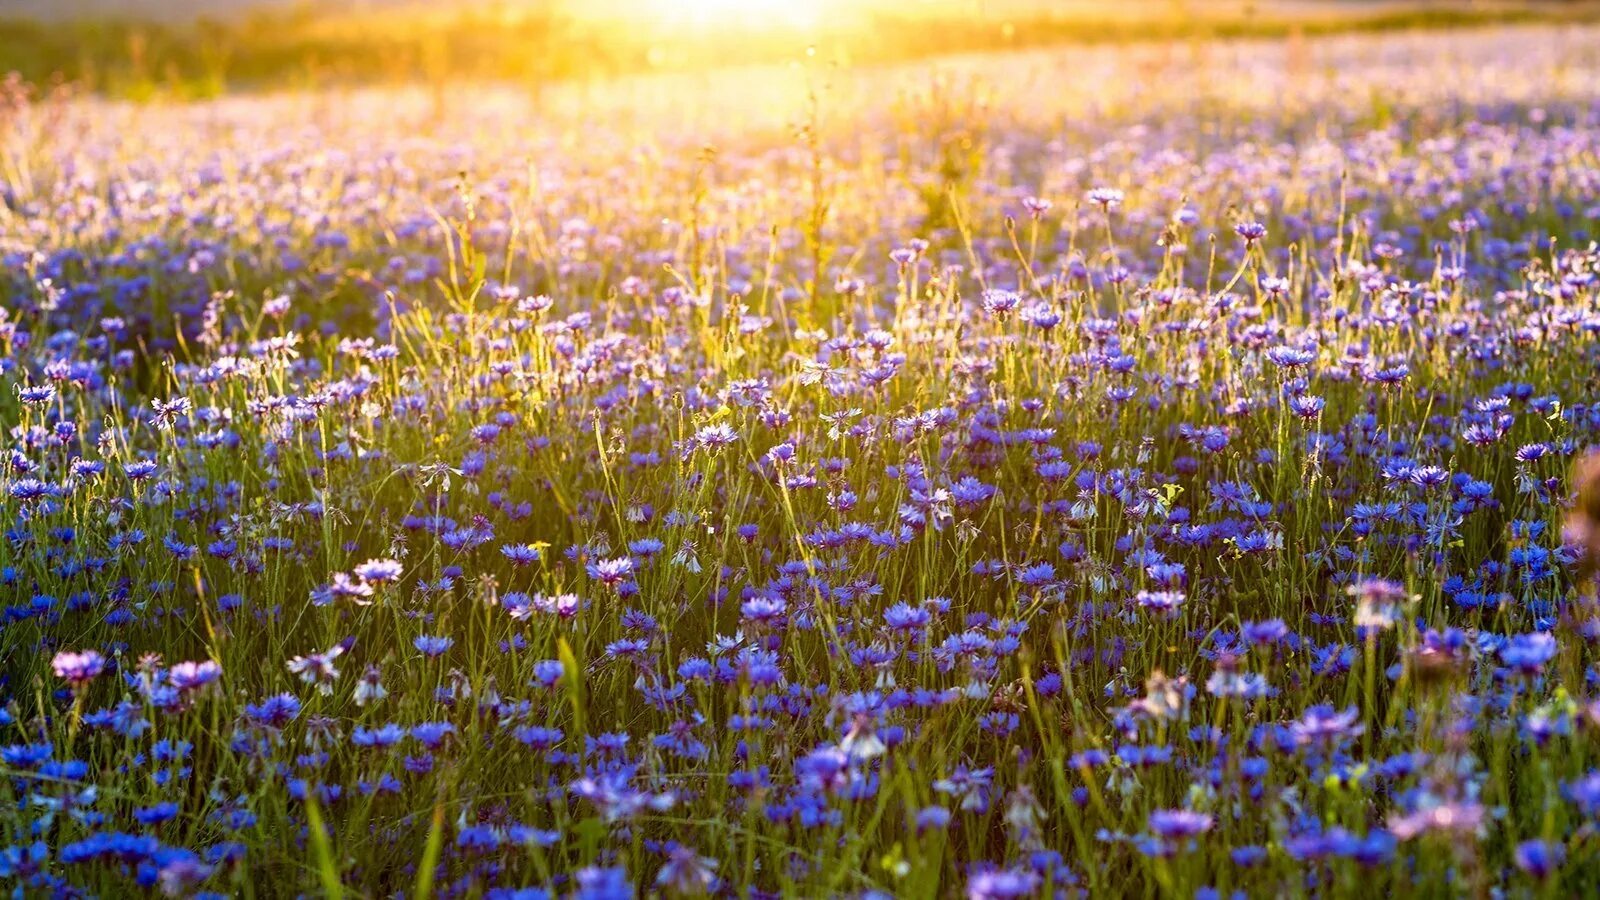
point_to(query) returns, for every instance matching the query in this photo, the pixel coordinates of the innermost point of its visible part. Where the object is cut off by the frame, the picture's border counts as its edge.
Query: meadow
(1138, 470)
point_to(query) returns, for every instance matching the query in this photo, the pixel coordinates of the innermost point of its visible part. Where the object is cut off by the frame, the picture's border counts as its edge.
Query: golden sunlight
(739, 14)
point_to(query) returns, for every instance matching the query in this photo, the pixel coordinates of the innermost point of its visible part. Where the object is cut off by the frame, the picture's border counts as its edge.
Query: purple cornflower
(999, 303)
(181, 876)
(167, 413)
(610, 572)
(78, 668)
(318, 669)
(715, 437)
(1041, 316)
(763, 610)
(1291, 358)
(379, 571)
(1002, 884)
(1228, 681)
(597, 883)
(1165, 603)
(192, 676)
(358, 591)
(687, 872)
(1264, 633)
(1449, 818)
(1105, 198)
(1307, 406)
(370, 688)
(1378, 603)
(1036, 206)
(1179, 824)
(1323, 725)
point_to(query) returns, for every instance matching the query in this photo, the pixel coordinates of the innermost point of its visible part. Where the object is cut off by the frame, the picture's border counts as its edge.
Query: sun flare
(742, 14)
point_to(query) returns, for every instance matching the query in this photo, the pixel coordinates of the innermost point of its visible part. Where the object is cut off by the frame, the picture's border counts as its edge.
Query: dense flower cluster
(1031, 495)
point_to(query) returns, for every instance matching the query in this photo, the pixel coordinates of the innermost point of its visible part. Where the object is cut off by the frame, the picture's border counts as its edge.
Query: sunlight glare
(741, 14)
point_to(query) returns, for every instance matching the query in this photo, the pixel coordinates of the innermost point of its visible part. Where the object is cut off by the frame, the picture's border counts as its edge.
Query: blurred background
(199, 48)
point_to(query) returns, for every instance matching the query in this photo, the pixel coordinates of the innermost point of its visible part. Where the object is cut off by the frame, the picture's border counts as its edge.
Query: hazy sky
(166, 9)
(182, 9)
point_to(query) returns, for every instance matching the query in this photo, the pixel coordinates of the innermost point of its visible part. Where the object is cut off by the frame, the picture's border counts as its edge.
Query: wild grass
(771, 493)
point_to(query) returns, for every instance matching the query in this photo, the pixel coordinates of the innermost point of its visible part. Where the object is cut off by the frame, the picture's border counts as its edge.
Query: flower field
(1137, 471)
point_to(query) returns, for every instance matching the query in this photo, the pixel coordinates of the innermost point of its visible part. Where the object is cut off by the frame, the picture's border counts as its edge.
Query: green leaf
(430, 854)
(573, 677)
(327, 869)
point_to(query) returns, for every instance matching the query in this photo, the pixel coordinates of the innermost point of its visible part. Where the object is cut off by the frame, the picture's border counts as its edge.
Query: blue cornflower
(1540, 859)
(155, 815)
(433, 646)
(387, 735)
(905, 617)
(139, 470)
(1527, 653)
(596, 883)
(275, 711)
(932, 818)
(1585, 794)
(1037, 575)
(36, 395)
(432, 734)
(547, 672)
(521, 554)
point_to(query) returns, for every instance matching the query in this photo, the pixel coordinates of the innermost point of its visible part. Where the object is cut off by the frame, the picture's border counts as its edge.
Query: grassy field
(1143, 469)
